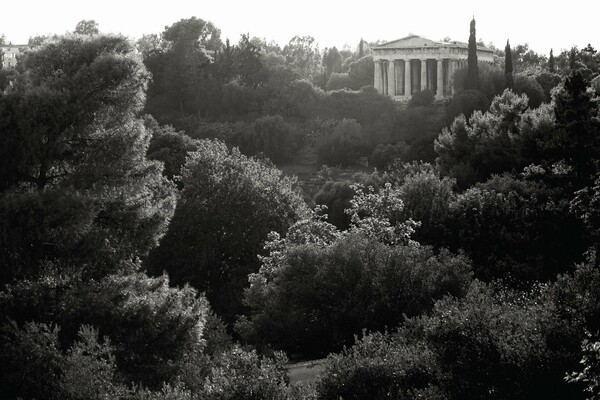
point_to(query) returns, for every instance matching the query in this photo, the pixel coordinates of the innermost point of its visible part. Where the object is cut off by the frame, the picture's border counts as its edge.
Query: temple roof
(420, 41)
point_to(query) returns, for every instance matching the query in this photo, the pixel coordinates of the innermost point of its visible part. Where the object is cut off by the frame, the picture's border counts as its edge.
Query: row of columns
(386, 80)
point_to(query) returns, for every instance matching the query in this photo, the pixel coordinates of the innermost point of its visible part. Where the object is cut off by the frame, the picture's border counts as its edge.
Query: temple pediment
(409, 41)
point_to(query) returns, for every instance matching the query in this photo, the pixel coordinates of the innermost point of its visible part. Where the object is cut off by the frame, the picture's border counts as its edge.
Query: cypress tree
(361, 51)
(551, 62)
(572, 58)
(473, 68)
(508, 66)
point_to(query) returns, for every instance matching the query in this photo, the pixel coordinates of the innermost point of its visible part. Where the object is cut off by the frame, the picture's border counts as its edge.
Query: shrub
(423, 98)
(338, 81)
(151, 326)
(531, 87)
(227, 208)
(244, 375)
(548, 81)
(515, 230)
(427, 198)
(169, 146)
(89, 370)
(336, 196)
(465, 103)
(30, 361)
(377, 367)
(311, 298)
(385, 154)
(361, 72)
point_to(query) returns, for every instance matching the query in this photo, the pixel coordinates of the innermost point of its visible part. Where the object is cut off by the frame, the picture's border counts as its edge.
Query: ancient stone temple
(412, 64)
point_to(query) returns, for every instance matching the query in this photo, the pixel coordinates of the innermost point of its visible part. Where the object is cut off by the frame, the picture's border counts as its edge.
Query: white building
(10, 54)
(414, 63)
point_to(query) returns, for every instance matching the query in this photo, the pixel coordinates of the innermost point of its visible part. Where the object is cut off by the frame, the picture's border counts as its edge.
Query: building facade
(414, 63)
(10, 53)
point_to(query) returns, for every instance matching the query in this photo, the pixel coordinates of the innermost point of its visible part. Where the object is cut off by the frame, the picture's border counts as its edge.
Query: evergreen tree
(361, 50)
(473, 69)
(508, 66)
(575, 112)
(572, 58)
(551, 62)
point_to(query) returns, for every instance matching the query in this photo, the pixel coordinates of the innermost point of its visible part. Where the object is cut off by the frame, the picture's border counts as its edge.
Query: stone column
(452, 67)
(440, 79)
(423, 75)
(391, 78)
(377, 77)
(407, 78)
(384, 80)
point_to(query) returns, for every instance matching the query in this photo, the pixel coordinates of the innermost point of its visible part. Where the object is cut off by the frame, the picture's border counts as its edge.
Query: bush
(361, 72)
(489, 143)
(299, 99)
(530, 86)
(492, 80)
(338, 81)
(30, 361)
(422, 99)
(514, 230)
(244, 375)
(465, 103)
(336, 196)
(520, 347)
(227, 208)
(385, 154)
(89, 371)
(313, 297)
(33, 366)
(344, 146)
(522, 344)
(427, 198)
(377, 367)
(548, 81)
(151, 326)
(366, 106)
(169, 146)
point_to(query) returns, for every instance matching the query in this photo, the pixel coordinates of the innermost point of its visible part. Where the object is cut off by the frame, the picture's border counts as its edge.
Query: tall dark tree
(551, 66)
(508, 66)
(361, 50)
(473, 68)
(332, 61)
(183, 79)
(576, 112)
(74, 181)
(572, 58)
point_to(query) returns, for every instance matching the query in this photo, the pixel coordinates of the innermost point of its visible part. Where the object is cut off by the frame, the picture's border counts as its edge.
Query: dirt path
(306, 371)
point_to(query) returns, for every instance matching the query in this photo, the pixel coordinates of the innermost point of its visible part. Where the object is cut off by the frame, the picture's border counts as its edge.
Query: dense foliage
(228, 205)
(466, 266)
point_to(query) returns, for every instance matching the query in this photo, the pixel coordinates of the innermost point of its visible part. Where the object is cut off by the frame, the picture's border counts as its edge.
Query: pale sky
(541, 24)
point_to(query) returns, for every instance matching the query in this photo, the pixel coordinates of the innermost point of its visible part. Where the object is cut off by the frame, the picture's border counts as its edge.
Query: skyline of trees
(486, 255)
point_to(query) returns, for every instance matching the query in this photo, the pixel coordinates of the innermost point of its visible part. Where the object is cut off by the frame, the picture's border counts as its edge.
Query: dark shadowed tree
(228, 206)
(473, 68)
(576, 116)
(551, 66)
(508, 66)
(75, 181)
(332, 61)
(573, 58)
